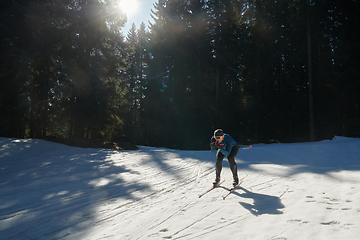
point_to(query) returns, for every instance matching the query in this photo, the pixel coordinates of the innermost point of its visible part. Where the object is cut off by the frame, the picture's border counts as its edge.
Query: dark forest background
(264, 71)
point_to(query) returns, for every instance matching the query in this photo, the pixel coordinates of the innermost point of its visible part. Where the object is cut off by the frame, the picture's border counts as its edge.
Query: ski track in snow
(292, 191)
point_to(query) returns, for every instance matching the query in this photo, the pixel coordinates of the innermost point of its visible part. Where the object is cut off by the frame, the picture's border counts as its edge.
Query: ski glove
(215, 146)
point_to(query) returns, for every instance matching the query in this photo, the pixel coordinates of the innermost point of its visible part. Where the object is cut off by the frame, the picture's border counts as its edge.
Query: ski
(200, 195)
(231, 190)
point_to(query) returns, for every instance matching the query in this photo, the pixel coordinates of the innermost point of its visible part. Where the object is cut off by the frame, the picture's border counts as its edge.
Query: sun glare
(129, 7)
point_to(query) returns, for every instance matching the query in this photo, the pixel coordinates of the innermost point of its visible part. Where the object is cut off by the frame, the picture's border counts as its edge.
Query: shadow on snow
(262, 203)
(72, 182)
(53, 191)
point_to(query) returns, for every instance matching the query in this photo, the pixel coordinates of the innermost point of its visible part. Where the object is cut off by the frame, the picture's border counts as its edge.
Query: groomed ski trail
(293, 191)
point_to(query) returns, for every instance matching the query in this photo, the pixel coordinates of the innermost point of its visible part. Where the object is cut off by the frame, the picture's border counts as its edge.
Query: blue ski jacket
(226, 145)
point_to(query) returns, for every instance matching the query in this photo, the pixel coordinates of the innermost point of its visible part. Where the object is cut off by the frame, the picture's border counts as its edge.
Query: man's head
(218, 135)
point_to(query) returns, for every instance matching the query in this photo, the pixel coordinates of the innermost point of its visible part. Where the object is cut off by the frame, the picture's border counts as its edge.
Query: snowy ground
(292, 191)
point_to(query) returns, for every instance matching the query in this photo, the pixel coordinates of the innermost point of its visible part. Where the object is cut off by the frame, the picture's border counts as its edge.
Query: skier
(224, 145)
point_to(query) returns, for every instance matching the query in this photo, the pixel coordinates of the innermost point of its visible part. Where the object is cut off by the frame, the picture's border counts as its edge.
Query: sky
(294, 191)
(142, 14)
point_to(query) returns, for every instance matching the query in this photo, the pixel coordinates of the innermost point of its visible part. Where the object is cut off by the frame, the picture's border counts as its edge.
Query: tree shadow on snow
(262, 203)
(50, 190)
(320, 157)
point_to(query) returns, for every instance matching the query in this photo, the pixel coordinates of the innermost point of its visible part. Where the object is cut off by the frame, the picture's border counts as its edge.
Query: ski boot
(217, 181)
(236, 181)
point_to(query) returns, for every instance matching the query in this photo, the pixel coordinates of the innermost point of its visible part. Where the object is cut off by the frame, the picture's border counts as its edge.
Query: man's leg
(219, 159)
(231, 158)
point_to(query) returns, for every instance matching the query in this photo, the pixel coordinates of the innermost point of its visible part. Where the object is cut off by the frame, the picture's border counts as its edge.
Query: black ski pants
(231, 159)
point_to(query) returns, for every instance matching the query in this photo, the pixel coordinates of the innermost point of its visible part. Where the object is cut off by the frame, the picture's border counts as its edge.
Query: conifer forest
(262, 70)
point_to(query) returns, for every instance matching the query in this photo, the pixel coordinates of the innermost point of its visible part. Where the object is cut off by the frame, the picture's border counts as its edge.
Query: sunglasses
(218, 137)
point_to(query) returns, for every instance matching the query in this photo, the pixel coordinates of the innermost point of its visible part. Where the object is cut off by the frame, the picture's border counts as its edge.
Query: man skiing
(224, 145)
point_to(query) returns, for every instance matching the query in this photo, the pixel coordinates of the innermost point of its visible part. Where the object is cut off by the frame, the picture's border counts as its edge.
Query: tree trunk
(311, 100)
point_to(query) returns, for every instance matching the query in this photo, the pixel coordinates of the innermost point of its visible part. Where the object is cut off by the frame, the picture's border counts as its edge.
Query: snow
(291, 191)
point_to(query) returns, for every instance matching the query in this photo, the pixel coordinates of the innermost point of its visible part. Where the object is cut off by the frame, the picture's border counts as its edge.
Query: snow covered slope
(292, 191)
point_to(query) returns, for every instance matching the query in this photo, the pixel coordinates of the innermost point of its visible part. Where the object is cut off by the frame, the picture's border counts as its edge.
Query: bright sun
(129, 7)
